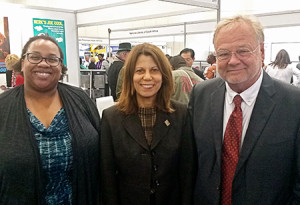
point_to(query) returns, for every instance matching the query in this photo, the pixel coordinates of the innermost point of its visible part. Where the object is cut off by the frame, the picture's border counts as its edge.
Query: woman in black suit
(147, 149)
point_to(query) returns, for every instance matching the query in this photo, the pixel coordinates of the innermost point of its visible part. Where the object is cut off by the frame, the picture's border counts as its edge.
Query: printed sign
(53, 28)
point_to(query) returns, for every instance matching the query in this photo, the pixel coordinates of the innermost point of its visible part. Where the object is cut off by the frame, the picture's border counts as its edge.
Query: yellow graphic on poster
(97, 49)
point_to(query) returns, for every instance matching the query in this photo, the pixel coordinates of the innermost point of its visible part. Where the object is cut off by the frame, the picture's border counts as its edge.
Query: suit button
(157, 183)
(152, 191)
(155, 168)
(218, 188)
(153, 153)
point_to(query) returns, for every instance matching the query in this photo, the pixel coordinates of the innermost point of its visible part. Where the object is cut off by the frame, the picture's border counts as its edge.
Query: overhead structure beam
(196, 10)
(105, 6)
(212, 4)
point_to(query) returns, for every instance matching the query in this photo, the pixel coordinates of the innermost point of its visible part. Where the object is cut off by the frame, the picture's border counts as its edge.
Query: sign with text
(53, 28)
(149, 32)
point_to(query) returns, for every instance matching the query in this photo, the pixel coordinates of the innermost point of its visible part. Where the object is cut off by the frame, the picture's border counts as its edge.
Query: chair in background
(103, 103)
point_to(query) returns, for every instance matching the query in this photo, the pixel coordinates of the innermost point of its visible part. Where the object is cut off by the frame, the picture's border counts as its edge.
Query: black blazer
(269, 164)
(131, 170)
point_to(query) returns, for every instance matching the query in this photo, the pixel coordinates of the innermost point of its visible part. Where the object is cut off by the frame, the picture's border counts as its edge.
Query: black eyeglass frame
(42, 58)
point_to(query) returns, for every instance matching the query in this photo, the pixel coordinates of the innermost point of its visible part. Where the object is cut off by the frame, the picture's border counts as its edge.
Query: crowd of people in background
(176, 135)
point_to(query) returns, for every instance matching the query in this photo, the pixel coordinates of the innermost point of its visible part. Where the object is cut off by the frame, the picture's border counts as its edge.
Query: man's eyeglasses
(241, 53)
(35, 58)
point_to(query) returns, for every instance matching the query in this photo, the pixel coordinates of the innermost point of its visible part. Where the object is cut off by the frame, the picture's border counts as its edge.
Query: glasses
(37, 58)
(241, 53)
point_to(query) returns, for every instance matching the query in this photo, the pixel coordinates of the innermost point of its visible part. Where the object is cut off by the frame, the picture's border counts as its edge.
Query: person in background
(107, 62)
(116, 66)
(9, 77)
(184, 79)
(19, 78)
(282, 70)
(53, 155)
(92, 64)
(86, 60)
(11, 61)
(298, 64)
(147, 149)
(3, 88)
(105, 66)
(100, 60)
(211, 71)
(81, 65)
(189, 56)
(246, 125)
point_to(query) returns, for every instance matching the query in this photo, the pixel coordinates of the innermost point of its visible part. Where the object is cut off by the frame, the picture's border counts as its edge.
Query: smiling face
(240, 73)
(147, 80)
(41, 76)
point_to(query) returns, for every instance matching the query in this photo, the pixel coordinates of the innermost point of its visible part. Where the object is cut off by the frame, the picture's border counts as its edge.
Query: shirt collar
(249, 95)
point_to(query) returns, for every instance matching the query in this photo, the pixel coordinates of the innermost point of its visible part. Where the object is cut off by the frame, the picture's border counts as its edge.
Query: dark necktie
(230, 151)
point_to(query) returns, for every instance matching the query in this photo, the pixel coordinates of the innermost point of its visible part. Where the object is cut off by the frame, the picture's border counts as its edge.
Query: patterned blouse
(148, 118)
(55, 149)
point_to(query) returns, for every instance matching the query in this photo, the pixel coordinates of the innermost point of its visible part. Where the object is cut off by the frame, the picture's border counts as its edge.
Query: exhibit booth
(170, 24)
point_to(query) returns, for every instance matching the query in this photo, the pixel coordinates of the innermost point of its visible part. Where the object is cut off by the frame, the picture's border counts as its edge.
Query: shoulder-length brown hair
(127, 101)
(282, 59)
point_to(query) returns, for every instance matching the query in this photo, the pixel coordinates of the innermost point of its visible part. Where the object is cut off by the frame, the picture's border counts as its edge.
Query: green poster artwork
(53, 28)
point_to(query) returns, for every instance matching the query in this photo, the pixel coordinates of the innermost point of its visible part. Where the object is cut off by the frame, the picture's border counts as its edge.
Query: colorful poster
(4, 43)
(53, 28)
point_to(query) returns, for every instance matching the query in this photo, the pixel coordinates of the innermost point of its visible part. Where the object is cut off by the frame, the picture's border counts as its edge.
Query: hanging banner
(4, 43)
(53, 28)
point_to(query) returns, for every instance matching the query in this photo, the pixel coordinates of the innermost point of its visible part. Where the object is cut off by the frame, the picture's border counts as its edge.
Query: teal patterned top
(55, 148)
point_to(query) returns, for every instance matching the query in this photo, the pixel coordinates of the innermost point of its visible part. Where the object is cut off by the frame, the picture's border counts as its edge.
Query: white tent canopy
(95, 17)
(172, 24)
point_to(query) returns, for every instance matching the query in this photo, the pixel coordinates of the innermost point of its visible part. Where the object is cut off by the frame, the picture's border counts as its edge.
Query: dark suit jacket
(199, 73)
(129, 165)
(269, 164)
(113, 74)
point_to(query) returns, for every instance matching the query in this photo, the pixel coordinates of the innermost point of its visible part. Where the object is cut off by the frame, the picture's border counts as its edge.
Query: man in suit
(116, 66)
(259, 162)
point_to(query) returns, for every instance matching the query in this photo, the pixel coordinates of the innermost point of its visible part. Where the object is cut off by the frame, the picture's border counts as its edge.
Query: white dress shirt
(249, 97)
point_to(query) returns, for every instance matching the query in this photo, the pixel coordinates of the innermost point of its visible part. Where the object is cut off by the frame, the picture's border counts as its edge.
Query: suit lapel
(163, 124)
(217, 107)
(133, 126)
(262, 110)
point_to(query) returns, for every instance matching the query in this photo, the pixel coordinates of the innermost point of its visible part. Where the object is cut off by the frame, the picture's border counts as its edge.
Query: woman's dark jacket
(21, 178)
(131, 171)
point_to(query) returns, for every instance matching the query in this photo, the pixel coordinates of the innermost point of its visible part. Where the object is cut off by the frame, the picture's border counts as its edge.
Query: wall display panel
(4, 43)
(293, 49)
(282, 38)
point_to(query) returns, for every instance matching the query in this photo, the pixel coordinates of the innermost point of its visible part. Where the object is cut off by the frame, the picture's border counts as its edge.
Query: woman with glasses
(147, 150)
(49, 134)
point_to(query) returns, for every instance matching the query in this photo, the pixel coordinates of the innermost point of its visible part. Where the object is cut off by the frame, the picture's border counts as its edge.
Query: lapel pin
(167, 122)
